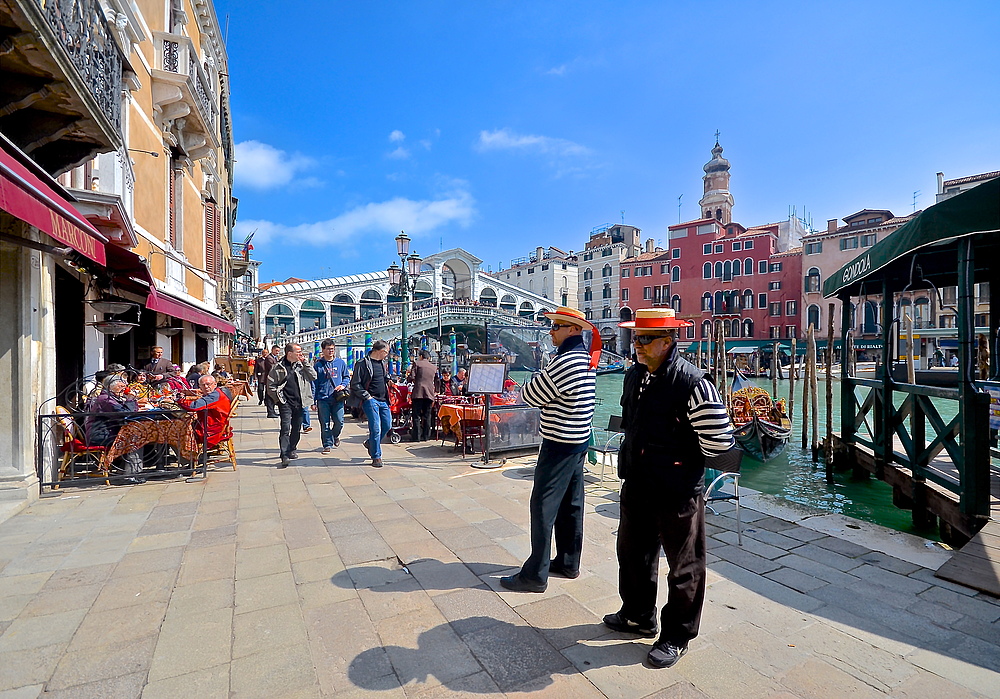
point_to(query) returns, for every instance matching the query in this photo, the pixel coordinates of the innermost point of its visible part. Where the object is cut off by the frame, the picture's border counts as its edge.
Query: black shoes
(665, 654)
(518, 584)
(376, 463)
(336, 441)
(367, 447)
(293, 455)
(561, 572)
(617, 622)
(284, 462)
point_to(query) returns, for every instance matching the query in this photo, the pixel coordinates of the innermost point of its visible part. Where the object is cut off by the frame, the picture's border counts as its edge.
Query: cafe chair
(471, 431)
(73, 447)
(605, 443)
(225, 450)
(724, 472)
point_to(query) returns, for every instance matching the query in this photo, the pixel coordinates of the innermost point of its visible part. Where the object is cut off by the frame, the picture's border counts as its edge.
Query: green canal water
(793, 476)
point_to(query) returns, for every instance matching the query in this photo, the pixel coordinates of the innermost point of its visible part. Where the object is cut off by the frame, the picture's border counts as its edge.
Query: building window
(737, 268)
(791, 308)
(606, 313)
(737, 247)
(675, 303)
(775, 266)
(812, 280)
(587, 274)
(814, 248)
(761, 300)
(790, 331)
(545, 268)
(647, 293)
(774, 332)
(950, 295)
(849, 243)
(607, 271)
(812, 316)
(606, 253)
(707, 249)
(531, 270)
(718, 270)
(774, 286)
(588, 294)
(875, 220)
(747, 266)
(706, 301)
(625, 273)
(748, 299)
(675, 253)
(748, 245)
(718, 248)
(983, 293)
(982, 320)
(727, 271)
(774, 309)
(587, 256)
(588, 314)
(624, 295)
(690, 332)
(706, 271)
(747, 327)
(706, 328)
(607, 291)
(675, 273)
(762, 267)
(664, 269)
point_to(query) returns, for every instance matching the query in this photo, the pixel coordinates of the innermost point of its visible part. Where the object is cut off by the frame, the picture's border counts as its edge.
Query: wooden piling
(775, 363)
(791, 384)
(805, 393)
(814, 393)
(828, 450)
(911, 376)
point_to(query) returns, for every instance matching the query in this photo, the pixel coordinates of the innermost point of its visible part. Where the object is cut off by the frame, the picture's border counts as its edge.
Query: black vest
(661, 448)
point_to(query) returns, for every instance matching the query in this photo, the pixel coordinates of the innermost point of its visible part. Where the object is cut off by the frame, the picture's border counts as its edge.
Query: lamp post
(404, 277)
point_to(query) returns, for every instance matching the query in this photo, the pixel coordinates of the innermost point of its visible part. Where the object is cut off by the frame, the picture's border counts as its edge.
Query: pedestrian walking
(289, 385)
(330, 394)
(564, 390)
(261, 366)
(370, 386)
(423, 374)
(673, 419)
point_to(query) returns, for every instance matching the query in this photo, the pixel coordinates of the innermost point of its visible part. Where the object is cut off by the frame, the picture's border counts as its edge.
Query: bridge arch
(527, 309)
(488, 297)
(370, 305)
(509, 304)
(312, 315)
(342, 309)
(279, 320)
(456, 273)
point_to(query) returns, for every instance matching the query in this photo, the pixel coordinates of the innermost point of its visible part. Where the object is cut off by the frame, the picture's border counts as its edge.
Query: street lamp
(404, 277)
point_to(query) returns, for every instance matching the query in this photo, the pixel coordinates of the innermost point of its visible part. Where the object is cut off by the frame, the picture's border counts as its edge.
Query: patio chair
(724, 471)
(225, 450)
(605, 443)
(471, 431)
(73, 447)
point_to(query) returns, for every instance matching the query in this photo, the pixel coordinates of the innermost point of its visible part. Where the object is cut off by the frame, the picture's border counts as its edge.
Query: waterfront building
(722, 271)
(645, 281)
(550, 272)
(825, 252)
(116, 146)
(599, 295)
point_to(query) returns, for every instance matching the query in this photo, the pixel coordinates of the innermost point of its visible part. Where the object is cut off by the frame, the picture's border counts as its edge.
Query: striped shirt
(710, 419)
(564, 390)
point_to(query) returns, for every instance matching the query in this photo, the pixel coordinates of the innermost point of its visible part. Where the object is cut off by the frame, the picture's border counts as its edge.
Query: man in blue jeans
(331, 376)
(370, 386)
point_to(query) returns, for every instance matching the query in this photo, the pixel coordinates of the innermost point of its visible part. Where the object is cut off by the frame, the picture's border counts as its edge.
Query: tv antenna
(679, 208)
(915, 195)
(623, 217)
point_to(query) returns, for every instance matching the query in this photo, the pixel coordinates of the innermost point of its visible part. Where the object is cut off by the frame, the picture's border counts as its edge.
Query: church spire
(717, 202)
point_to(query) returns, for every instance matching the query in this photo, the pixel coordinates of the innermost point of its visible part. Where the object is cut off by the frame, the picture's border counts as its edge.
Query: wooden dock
(977, 564)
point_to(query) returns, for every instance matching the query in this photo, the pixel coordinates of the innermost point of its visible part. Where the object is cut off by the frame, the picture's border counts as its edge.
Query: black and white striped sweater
(564, 390)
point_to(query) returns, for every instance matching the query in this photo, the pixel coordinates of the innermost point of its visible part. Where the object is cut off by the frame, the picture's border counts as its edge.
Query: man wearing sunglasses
(673, 418)
(564, 390)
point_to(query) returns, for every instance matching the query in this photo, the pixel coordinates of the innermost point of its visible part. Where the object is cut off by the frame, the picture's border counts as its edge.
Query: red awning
(31, 197)
(159, 301)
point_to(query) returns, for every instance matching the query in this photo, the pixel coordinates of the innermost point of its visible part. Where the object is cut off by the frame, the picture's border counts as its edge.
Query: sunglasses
(647, 339)
(557, 326)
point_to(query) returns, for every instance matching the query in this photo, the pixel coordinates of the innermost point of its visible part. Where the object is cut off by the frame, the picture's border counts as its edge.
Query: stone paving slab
(331, 578)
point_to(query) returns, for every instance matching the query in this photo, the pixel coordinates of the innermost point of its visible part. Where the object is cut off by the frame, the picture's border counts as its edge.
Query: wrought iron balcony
(61, 92)
(183, 96)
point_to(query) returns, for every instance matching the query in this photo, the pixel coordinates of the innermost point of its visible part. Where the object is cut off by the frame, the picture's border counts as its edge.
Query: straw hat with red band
(655, 319)
(565, 314)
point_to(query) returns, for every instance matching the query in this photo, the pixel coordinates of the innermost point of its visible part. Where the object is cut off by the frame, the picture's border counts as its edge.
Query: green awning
(968, 213)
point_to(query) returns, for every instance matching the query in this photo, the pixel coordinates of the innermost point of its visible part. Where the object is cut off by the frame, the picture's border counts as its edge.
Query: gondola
(614, 368)
(762, 426)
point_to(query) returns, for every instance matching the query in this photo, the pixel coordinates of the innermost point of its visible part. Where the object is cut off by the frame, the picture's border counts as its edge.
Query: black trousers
(557, 500)
(291, 426)
(261, 390)
(421, 430)
(651, 518)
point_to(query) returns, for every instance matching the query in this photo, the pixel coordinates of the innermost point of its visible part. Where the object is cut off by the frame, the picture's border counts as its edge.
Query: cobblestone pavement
(331, 578)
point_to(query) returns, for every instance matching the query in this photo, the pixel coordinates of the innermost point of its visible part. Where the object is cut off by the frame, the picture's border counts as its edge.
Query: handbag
(341, 394)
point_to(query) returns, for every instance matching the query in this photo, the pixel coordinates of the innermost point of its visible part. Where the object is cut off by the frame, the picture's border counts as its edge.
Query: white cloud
(398, 154)
(397, 136)
(387, 217)
(505, 139)
(262, 166)
(558, 70)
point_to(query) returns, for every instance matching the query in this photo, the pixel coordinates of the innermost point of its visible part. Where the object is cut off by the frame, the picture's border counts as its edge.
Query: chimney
(539, 254)
(649, 244)
(831, 225)
(940, 182)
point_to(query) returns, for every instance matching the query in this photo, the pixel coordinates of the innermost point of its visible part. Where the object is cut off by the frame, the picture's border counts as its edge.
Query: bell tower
(717, 202)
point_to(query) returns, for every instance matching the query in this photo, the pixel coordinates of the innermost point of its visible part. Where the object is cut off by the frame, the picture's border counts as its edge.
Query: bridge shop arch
(279, 320)
(370, 305)
(509, 304)
(342, 309)
(488, 297)
(312, 315)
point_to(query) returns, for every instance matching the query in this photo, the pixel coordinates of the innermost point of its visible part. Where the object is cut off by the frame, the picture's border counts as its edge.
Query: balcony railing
(176, 55)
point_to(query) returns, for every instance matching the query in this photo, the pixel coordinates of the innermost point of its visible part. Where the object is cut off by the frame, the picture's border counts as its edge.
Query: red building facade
(645, 282)
(728, 273)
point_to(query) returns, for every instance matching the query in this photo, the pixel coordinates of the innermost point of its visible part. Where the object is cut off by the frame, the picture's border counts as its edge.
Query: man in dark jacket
(422, 373)
(370, 386)
(261, 366)
(159, 369)
(673, 418)
(332, 377)
(289, 385)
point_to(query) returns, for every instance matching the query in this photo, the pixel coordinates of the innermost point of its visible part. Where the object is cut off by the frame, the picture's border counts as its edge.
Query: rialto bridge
(452, 291)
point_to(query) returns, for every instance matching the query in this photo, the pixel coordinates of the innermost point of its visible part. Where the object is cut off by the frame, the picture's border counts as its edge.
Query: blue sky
(500, 126)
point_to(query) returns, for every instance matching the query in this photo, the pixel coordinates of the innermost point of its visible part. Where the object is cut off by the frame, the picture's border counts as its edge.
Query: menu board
(486, 377)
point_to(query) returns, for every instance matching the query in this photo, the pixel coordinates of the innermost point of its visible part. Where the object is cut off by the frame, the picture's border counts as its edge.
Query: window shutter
(212, 252)
(172, 206)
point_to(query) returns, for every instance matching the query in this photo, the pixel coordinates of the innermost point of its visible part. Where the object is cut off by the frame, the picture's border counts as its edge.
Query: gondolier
(673, 418)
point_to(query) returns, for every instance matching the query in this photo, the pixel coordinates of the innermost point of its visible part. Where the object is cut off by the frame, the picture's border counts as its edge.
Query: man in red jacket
(214, 403)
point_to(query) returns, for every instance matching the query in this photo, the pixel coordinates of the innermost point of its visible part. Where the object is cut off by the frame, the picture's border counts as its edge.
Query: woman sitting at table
(196, 372)
(215, 403)
(177, 382)
(444, 383)
(102, 429)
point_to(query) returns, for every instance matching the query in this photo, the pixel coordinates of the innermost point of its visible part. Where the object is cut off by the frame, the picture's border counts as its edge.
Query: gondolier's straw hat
(655, 319)
(565, 314)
